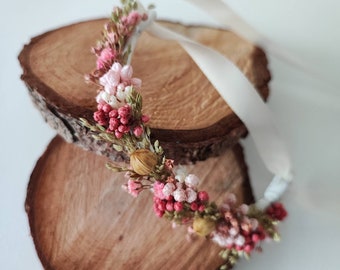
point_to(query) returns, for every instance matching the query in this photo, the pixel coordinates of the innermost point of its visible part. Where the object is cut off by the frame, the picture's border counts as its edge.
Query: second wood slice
(188, 116)
(80, 218)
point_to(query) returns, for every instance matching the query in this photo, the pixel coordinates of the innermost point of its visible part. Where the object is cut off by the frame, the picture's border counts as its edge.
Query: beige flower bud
(203, 227)
(143, 161)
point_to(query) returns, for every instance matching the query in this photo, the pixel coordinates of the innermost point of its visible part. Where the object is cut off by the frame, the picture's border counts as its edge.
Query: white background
(307, 110)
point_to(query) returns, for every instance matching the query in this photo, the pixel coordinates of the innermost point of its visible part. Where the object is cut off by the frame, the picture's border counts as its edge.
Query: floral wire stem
(238, 229)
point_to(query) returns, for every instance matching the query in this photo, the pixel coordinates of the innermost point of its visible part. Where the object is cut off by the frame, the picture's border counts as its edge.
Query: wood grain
(187, 114)
(81, 219)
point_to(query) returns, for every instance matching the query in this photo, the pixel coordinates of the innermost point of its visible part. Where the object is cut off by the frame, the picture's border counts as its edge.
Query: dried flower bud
(143, 161)
(202, 226)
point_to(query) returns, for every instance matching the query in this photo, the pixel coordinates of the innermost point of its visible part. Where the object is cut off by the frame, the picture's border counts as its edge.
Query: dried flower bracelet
(119, 120)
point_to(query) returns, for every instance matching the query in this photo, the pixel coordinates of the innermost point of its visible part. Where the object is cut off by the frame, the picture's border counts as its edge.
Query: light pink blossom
(136, 82)
(118, 81)
(126, 73)
(110, 80)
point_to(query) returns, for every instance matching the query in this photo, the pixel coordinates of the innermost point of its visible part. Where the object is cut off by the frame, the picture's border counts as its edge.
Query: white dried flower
(180, 174)
(240, 240)
(244, 209)
(191, 195)
(179, 195)
(220, 240)
(192, 180)
(123, 92)
(233, 231)
(104, 97)
(254, 223)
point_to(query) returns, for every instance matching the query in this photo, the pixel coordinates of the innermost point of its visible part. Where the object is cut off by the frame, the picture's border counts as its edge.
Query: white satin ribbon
(221, 12)
(243, 99)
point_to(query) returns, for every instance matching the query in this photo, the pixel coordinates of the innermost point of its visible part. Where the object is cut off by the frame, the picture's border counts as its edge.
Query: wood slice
(187, 114)
(80, 218)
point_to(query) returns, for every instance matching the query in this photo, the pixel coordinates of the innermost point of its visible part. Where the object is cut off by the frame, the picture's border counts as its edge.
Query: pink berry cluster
(236, 230)
(179, 196)
(119, 121)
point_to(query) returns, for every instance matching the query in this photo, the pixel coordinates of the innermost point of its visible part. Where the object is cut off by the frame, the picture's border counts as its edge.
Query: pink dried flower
(158, 212)
(169, 206)
(106, 108)
(201, 208)
(158, 190)
(124, 120)
(113, 113)
(194, 206)
(134, 187)
(112, 37)
(145, 118)
(123, 129)
(161, 206)
(133, 18)
(169, 164)
(138, 131)
(244, 209)
(118, 134)
(255, 238)
(105, 58)
(248, 248)
(100, 117)
(124, 111)
(178, 206)
(230, 199)
(203, 196)
(113, 124)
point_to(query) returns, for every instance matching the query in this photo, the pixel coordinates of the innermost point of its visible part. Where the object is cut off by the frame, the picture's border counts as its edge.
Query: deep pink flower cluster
(110, 50)
(176, 196)
(105, 57)
(119, 121)
(129, 22)
(277, 211)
